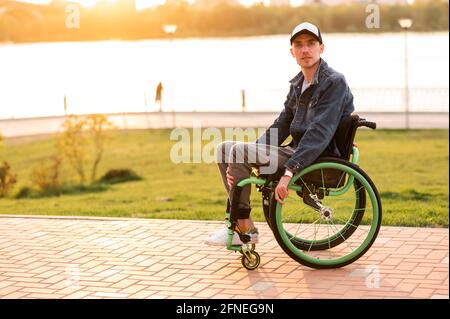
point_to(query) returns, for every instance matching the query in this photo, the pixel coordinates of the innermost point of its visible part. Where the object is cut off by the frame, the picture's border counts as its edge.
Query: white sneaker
(219, 238)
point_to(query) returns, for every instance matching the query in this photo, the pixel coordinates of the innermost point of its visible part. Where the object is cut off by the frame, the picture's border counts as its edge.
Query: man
(318, 99)
(158, 96)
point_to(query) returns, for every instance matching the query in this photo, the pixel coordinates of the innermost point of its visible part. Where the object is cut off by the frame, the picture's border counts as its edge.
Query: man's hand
(281, 191)
(230, 179)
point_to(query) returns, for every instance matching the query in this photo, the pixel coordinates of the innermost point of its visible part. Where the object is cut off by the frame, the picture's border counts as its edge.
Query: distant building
(338, 2)
(392, 1)
(274, 3)
(129, 5)
(175, 2)
(328, 2)
(209, 4)
(58, 3)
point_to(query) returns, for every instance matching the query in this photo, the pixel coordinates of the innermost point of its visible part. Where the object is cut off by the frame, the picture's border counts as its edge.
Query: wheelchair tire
(348, 215)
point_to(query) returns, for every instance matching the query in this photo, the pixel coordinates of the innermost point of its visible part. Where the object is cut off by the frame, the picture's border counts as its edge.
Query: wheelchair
(333, 218)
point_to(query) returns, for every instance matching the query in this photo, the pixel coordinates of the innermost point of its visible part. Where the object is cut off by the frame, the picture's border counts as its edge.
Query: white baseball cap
(306, 28)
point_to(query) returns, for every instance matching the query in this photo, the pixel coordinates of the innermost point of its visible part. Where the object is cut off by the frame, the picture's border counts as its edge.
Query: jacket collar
(296, 80)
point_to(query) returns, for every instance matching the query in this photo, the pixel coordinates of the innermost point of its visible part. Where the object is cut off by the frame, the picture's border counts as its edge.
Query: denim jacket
(312, 118)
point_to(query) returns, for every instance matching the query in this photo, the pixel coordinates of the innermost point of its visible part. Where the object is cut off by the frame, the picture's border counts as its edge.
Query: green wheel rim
(355, 253)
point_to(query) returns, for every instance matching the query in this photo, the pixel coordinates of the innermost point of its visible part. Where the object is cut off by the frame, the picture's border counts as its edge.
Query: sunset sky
(142, 4)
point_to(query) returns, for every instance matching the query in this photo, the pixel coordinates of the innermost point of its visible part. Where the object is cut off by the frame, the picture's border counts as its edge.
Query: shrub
(7, 179)
(119, 176)
(97, 124)
(82, 135)
(47, 176)
(71, 144)
(24, 192)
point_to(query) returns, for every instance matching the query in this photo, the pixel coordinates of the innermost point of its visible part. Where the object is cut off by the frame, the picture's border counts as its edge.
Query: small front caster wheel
(251, 260)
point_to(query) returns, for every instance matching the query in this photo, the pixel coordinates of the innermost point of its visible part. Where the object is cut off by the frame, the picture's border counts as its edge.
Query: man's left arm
(329, 110)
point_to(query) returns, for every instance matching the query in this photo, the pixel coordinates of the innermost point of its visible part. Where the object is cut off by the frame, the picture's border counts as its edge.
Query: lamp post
(405, 24)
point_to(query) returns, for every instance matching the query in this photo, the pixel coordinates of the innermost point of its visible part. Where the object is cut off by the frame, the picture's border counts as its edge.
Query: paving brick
(124, 283)
(40, 295)
(175, 277)
(422, 270)
(110, 295)
(5, 291)
(422, 292)
(5, 283)
(115, 278)
(133, 289)
(208, 293)
(438, 275)
(179, 294)
(37, 290)
(166, 272)
(15, 295)
(77, 295)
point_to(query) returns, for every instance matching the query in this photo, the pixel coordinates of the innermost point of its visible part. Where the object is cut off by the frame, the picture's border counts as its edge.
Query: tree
(72, 144)
(97, 125)
(80, 136)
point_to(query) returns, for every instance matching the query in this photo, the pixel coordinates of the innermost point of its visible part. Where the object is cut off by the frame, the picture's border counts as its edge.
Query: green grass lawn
(410, 169)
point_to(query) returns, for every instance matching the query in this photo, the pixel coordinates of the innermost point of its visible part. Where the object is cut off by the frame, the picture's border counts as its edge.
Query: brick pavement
(77, 257)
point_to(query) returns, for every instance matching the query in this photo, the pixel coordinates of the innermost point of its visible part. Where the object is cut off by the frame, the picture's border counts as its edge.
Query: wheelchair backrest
(345, 135)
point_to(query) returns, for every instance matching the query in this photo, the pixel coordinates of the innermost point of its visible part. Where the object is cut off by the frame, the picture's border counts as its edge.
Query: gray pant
(240, 157)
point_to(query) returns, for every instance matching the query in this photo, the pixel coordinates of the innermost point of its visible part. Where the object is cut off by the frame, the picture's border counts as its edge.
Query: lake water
(209, 74)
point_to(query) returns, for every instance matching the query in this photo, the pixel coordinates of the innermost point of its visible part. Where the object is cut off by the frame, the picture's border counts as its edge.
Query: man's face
(306, 50)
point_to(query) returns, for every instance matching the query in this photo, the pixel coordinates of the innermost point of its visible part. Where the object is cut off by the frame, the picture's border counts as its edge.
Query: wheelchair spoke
(323, 181)
(296, 233)
(328, 231)
(342, 175)
(306, 185)
(345, 222)
(345, 239)
(301, 212)
(315, 233)
(309, 226)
